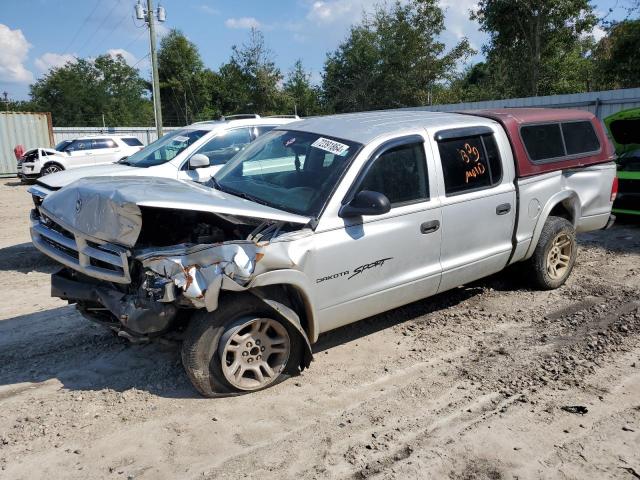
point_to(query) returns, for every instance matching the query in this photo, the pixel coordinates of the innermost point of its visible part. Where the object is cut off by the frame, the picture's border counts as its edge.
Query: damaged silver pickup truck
(321, 223)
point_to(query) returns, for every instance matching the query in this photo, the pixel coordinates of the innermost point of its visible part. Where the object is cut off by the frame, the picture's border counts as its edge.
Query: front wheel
(241, 347)
(51, 168)
(555, 254)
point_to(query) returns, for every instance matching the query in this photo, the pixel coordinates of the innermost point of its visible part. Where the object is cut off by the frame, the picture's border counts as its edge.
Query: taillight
(614, 189)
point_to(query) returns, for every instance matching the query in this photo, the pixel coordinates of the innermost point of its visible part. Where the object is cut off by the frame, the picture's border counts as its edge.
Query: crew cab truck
(321, 223)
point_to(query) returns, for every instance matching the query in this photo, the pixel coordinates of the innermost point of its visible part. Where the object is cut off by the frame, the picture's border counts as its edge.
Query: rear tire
(555, 255)
(241, 347)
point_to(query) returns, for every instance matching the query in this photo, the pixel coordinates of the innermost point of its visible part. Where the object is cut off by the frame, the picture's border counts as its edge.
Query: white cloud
(331, 11)
(129, 57)
(244, 23)
(598, 33)
(49, 60)
(13, 53)
(209, 9)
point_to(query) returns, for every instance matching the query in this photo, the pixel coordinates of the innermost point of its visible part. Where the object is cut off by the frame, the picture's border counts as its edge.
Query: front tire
(50, 168)
(555, 255)
(241, 347)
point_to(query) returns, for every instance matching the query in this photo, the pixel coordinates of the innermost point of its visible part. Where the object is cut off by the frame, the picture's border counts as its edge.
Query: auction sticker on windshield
(330, 146)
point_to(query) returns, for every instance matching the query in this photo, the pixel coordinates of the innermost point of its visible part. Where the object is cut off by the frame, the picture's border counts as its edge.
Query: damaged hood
(108, 208)
(64, 178)
(624, 129)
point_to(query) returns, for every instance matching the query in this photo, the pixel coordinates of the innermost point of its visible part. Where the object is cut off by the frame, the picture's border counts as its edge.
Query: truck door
(478, 204)
(375, 263)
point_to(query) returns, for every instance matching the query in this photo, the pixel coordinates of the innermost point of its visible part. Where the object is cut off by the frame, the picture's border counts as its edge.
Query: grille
(87, 255)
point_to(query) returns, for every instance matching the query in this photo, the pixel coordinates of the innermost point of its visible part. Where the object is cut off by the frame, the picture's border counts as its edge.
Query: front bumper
(28, 171)
(80, 252)
(137, 315)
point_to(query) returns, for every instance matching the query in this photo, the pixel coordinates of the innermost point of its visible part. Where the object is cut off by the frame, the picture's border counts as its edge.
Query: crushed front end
(138, 269)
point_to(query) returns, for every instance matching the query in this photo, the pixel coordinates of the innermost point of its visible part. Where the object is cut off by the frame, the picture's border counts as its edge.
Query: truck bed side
(581, 195)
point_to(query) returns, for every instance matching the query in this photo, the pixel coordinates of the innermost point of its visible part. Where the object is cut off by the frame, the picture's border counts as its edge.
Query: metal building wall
(602, 104)
(22, 128)
(145, 134)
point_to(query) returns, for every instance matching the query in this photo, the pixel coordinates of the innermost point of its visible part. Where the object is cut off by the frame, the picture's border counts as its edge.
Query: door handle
(503, 209)
(430, 227)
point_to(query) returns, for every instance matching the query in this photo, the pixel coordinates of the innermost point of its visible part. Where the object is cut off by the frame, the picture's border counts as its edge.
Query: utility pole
(149, 16)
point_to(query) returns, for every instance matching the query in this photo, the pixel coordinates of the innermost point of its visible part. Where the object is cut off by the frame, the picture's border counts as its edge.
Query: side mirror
(198, 161)
(366, 202)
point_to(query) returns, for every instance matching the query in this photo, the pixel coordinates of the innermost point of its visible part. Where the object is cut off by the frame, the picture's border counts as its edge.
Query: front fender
(287, 314)
(299, 281)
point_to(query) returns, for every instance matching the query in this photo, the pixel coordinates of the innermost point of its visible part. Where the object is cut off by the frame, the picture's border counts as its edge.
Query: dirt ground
(469, 384)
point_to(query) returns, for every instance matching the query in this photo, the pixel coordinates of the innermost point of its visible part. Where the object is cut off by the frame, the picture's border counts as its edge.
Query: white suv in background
(195, 152)
(81, 152)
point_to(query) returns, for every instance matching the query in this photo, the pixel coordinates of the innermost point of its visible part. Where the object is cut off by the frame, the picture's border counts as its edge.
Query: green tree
(81, 92)
(617, 56)
(250, 79)
(301, 96)
(393, 58)
(537, 47)
(187, 89)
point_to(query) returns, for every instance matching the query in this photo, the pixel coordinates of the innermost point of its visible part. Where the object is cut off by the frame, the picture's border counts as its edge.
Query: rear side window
(543, 141)
(580, 137)
(551, 142)
(470, 163)
(132, 142)
(400, 174)
(103, 143)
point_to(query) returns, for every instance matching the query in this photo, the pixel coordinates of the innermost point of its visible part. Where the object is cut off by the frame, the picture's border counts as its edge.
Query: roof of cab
(239, 122)
(532, 115)
(366, 126)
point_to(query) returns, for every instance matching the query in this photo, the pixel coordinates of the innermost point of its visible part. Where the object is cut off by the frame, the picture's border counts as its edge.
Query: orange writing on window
(470, 155)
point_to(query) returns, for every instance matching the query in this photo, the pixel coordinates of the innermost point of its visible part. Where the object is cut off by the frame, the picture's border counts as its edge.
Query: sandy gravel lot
(467, 385)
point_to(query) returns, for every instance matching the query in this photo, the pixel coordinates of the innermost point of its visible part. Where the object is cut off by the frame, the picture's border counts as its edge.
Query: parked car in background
(73, 154)
(624, 130)
(322, 223)
(193, 153)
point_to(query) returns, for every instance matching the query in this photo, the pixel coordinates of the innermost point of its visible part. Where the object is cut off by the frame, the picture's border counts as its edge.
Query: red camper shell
(549, 139)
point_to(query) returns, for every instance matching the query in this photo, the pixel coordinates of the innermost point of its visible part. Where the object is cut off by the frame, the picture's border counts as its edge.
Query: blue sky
(36, 35)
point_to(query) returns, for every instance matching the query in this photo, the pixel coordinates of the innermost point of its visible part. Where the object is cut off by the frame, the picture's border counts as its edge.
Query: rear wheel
(241, 347)
(555, 254)
(51, 168)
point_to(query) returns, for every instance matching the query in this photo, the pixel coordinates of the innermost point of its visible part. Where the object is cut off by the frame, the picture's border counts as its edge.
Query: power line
(104, 19)
(135, 64)
(81, 26)
(116, 27)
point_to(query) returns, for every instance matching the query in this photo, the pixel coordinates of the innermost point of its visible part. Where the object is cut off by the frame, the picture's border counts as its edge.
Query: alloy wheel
(254, 353)
(559, 256)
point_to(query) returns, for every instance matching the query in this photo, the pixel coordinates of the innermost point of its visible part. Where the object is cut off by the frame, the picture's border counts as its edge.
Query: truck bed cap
(512, 119)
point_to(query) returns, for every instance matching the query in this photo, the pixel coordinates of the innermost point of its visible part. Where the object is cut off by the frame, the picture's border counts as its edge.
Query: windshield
(288, 170)
(165, 148)
(60, 147)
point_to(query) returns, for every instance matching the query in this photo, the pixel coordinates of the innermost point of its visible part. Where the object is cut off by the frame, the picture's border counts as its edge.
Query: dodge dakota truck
(321, 223)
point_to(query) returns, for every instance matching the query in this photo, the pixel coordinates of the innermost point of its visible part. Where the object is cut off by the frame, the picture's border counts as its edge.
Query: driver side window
(401, 174)
(221, 148)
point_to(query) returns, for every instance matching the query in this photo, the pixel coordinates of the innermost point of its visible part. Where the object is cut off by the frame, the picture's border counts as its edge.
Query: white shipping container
(29, 129)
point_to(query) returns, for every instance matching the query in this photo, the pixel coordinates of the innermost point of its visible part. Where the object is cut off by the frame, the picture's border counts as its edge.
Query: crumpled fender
(287, 314)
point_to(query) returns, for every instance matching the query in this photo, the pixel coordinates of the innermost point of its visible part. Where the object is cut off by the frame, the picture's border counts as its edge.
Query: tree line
(392, 58)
